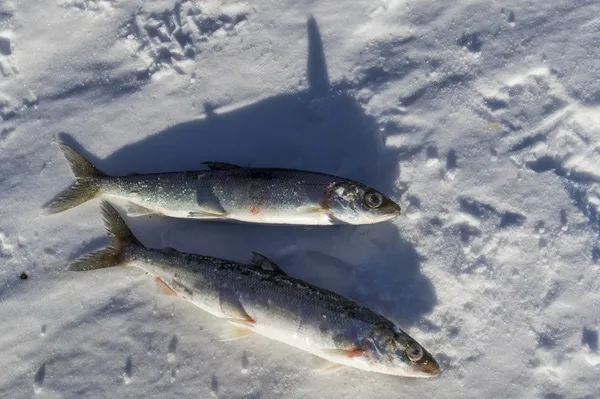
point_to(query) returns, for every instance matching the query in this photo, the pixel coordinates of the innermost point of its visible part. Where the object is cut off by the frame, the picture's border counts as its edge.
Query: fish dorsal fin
(264, 263)
(221, 166)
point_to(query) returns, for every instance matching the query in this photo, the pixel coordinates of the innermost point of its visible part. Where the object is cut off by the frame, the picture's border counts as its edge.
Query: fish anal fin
(265, 263)
(135, 210)
(164, 288)
(221, 166)
(237, 329)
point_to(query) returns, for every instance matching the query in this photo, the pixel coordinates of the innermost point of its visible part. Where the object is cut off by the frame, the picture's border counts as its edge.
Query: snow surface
(481, 118)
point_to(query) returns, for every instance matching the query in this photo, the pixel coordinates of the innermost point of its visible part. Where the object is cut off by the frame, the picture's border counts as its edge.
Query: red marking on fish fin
(248, 323)
(234, 332)
(356, 353)
(164, 287)
(350, 353)
(254, 210)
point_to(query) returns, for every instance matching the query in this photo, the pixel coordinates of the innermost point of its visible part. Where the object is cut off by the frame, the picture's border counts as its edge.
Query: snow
(480, 118)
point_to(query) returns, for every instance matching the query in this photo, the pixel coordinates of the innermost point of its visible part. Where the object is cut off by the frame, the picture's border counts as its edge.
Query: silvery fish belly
(230, 192)
(262, 299)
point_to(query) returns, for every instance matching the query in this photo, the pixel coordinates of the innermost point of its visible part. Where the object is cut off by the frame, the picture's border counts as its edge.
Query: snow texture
(481, 118)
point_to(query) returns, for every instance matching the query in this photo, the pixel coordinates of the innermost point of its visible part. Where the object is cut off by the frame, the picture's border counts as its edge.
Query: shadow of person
(322, 129)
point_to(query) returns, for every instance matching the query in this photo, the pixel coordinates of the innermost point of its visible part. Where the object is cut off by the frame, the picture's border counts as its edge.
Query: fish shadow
(321, 129)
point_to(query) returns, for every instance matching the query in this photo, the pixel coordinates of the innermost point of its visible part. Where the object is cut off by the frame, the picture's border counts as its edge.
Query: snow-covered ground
(481, 118)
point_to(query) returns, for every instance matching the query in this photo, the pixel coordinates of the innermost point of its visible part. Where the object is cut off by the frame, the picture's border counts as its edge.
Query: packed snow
(480, 118)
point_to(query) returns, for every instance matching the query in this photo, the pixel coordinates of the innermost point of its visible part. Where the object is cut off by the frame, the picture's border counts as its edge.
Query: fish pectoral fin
(329, 367)
(245, 323)
(334, 220)
(135, 210)
(221, 166)
(310, 209)
(265, 263)
(232, 308)
(164, 288)
(349, 353)
(207, 212)
(237, 329)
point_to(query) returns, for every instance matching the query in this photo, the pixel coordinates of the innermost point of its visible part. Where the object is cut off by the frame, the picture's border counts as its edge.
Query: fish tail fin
(85, 188)
(120, 236)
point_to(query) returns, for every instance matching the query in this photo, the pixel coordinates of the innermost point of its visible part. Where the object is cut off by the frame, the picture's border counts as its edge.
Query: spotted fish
(260, 298)
(230, 192)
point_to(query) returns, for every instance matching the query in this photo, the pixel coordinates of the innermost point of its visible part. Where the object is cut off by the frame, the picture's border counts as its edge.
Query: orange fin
(234, 332)
(350, 353)
(164, 287)
(237, 329)
(246, 323)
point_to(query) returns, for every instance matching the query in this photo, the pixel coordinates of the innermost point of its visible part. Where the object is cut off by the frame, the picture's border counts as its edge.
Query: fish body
(260, 298)
(229, 192)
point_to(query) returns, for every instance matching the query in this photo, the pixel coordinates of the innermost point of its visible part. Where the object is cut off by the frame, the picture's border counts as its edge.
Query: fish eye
(373, 199)
(414, 352)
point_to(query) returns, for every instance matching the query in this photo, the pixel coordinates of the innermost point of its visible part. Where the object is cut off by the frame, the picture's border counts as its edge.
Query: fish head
(395, 352)
(355, 203)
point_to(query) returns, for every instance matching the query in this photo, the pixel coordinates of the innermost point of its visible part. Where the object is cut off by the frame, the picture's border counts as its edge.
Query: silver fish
(230, 192)
(261, 298)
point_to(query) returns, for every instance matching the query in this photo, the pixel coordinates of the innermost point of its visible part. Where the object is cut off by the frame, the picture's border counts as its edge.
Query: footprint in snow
(128, 371)
(432, 156)
(214, 386)
(38, 380)
(172, 349)
(245, 362)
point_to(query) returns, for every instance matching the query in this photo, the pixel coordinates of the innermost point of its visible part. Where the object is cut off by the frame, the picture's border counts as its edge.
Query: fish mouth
(431, 368)
(423, 370)
(395, 209)
(428, 367)
(390, 210)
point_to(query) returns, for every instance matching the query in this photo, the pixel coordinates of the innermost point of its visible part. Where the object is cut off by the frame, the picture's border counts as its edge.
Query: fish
(261, 298)
(229, 192)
